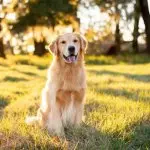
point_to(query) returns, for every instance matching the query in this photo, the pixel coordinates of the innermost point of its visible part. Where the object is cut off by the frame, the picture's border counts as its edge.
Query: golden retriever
(64, 93)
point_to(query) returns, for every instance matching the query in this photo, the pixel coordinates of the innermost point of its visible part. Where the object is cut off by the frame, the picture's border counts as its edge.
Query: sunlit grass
(117, 110)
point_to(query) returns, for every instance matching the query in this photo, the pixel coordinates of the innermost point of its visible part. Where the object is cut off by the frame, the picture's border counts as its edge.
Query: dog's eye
(75, 41)
(63, 42)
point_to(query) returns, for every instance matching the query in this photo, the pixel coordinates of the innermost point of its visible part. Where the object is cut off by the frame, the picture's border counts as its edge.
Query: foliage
(46, 12)
(146, 17)
(117, 110)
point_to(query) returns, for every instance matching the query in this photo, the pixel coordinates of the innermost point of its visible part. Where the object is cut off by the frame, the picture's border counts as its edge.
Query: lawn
(117, 109)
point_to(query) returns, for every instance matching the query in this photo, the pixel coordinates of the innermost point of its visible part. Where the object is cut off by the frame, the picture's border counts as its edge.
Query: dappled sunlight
(117, 107)
(117, 98)
(115, 37)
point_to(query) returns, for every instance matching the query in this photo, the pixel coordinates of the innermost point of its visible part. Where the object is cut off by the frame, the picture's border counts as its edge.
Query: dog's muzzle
(71, 58)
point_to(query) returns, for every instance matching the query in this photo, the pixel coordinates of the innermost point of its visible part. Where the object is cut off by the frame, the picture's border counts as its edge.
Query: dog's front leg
(50, 111)
(79, 98)
(79, 114)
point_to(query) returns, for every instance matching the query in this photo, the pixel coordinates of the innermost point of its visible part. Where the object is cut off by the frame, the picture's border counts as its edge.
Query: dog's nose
(71, 49)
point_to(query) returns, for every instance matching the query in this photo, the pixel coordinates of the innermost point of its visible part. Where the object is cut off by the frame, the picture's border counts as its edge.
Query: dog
(63, 96)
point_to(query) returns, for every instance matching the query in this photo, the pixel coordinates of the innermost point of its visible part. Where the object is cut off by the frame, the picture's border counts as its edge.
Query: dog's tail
(31, 120)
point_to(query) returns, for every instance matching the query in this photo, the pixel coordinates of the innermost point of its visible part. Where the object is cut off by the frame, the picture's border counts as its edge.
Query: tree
(6, 8)
(115, 13)
(2, 53)
(117, 30)
(46, 13)
(146, 18)
(115, 9)
(136, 27)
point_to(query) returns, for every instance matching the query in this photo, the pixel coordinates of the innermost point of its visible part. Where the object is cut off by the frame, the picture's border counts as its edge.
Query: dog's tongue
(71, 59)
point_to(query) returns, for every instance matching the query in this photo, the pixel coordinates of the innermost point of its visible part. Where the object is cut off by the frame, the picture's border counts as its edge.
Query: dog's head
(69, 46)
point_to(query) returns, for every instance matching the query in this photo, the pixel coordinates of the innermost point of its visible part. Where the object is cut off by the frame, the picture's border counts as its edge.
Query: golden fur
(64, 92)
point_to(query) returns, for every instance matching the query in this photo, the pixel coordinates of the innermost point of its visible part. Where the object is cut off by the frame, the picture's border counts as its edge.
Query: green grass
(117, 109)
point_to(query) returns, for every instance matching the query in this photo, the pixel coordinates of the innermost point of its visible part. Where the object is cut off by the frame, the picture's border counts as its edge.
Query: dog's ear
(83, 43)
(54, 47)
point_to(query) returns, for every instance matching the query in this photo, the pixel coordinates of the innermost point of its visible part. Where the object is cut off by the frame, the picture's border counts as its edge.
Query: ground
(117, 109)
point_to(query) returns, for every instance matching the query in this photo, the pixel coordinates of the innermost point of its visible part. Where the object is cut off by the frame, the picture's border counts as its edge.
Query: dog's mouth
(71, 58)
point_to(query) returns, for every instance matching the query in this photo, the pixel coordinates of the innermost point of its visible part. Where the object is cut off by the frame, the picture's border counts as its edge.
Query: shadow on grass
(137, 77)
(3, 65)
(99, 61)
(26, 73)
(14, 79)
(124, 93)
(140, 138)
(93, 106)
(4, 101)
(85, 138)
(113, 60)
(27, 62)
(121, 92)
(18, 142)
(88, 137)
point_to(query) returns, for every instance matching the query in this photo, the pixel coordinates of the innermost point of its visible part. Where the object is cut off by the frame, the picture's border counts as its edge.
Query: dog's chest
(73, 81)
(64, 96)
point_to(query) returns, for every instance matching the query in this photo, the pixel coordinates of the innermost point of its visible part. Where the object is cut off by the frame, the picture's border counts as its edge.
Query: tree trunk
(136, 27)
(117, 31)
(117, 37)
(146, 18)
(2, 54)
(39, 48)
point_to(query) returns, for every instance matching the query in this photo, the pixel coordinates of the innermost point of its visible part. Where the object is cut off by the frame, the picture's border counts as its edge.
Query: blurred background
(111, 26)
(117, 108)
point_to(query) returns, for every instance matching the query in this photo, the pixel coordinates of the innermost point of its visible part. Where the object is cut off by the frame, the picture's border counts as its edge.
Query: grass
(117, 109)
